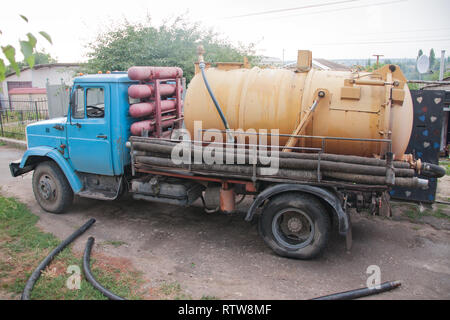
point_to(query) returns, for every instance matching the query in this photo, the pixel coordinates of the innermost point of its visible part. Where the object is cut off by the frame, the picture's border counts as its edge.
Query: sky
(331, 29)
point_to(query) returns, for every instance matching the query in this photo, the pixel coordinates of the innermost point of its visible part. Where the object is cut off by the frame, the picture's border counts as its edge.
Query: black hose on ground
(37, 272)
(363, 292)
(90, 276)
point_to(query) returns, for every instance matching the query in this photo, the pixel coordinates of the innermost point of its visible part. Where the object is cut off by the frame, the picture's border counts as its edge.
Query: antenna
(378, 58)
(423, 64)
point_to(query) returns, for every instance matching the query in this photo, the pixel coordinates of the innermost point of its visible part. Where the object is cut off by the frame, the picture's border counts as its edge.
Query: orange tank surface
(375, 105)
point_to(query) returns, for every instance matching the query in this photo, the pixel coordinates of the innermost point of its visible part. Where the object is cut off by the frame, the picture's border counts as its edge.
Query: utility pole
(378, 58)
(441, 70)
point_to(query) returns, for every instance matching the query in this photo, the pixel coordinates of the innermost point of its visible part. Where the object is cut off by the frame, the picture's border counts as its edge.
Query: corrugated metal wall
(58, 100)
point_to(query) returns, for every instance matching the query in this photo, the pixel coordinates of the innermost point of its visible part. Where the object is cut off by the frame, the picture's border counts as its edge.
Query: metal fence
(16, 115)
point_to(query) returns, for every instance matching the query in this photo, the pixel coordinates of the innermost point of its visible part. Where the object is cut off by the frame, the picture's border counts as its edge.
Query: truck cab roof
(112, 77)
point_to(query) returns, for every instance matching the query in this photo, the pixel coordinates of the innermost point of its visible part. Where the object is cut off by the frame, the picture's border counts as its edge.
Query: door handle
(58, 127)
(102, 137)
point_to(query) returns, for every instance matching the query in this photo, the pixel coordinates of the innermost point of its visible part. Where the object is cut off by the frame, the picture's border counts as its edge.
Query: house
(38, 78)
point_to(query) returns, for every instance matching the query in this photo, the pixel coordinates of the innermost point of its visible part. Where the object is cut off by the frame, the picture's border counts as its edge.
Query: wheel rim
(293, 228)
(47, 188)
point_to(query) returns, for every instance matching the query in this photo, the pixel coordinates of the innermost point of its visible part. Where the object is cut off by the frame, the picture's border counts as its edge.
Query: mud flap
(349, 235)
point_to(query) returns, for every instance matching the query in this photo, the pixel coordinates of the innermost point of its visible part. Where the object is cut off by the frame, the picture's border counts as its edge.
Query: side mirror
(72, 99)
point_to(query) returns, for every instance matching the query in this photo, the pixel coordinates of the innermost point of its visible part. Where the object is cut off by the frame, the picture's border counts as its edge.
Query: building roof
(27, 91)
(332, 65)
(47, 65)
(321, 64)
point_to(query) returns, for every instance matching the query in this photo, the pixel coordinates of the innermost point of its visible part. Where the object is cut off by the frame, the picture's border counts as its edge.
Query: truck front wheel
(51, 188)
(295, 225)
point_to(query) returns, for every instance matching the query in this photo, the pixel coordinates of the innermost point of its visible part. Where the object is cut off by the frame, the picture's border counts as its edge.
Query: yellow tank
(374, 105)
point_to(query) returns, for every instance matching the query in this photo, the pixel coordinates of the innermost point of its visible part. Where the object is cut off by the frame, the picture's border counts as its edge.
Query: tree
(42, 57)
(420, 53)
(28, 49)
(172, 44)
(432, 59)
(39, 58)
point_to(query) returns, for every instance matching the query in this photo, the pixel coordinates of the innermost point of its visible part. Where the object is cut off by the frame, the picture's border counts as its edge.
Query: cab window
(78, 112)
(95, 103)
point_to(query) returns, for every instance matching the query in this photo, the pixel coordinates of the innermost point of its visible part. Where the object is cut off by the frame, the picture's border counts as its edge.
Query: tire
(295, 225)
(51, 188)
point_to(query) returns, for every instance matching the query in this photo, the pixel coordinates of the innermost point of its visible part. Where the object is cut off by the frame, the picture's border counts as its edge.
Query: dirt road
(223, 256)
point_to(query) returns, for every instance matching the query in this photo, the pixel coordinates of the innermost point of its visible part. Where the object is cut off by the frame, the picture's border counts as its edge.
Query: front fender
(54, 154)
(326, 195)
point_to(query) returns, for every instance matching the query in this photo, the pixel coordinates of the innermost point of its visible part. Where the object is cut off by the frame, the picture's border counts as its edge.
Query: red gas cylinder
(140, 91)
(151, 73)
(143, 91)
(139, 110)
(137, 127)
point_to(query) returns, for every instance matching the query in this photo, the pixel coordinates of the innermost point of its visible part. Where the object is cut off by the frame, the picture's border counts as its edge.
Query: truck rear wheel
(51, 188)
(295, 225)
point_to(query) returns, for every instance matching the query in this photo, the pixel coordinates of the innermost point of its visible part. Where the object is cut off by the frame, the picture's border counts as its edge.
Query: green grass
(413, 213)
(23, 246)
(114, 243)
(170, 288)
(446, 165)
(14, 132)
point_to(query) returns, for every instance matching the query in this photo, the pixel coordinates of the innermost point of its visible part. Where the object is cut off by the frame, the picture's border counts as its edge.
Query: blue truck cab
(89, 144)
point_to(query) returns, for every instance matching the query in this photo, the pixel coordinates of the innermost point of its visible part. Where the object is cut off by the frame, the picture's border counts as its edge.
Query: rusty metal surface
(278, 99)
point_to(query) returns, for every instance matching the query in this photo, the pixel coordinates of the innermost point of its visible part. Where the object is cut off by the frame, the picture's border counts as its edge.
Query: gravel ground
(223, 256)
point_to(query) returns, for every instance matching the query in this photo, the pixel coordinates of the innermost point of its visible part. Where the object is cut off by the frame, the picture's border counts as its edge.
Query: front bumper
(16, 170)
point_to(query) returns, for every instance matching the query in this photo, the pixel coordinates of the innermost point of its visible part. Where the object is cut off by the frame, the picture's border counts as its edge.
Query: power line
(380, 42)
(401, 31)
(291, 9)
(338, 9)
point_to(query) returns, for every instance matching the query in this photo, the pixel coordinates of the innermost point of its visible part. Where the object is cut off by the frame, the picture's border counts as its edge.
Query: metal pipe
(200, 143)
(363, 292)
(429, 82)
(289, 163)
(37, 272)
(376, 180)
(301, 136)
(324, 156)
(307, 175)
(90, 276)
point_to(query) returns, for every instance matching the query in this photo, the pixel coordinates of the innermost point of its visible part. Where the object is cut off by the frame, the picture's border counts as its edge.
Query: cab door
(89, 130)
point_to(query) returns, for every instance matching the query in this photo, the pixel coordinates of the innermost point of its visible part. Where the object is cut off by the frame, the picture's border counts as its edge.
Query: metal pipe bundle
(158, 153)
(289, 163)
